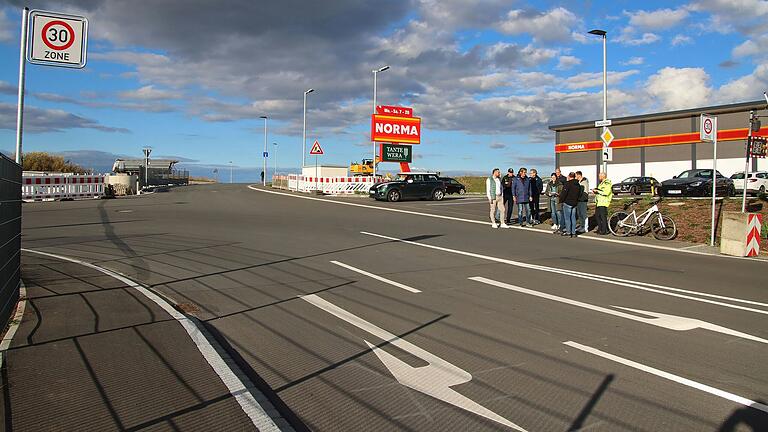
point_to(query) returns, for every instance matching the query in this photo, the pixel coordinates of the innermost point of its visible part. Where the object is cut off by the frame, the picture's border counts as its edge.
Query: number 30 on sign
(57, 39)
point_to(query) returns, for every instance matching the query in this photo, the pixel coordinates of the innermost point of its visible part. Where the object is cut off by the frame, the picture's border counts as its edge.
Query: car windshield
(630, 180)
(738, 176)
(688, 174)
(404, 177)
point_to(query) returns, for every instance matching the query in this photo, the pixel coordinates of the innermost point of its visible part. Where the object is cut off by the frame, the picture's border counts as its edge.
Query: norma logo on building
(57, 39)
(753, 234)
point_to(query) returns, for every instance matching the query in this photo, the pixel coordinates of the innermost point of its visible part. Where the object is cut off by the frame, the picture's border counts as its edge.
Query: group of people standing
(522, 190)
(568, 199)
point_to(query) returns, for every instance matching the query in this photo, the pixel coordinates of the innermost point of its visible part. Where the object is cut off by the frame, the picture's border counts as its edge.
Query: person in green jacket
(603, 197)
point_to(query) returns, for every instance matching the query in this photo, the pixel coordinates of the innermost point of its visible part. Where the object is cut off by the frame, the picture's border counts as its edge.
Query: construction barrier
(48, 187)
(754, 226)
(327, 185)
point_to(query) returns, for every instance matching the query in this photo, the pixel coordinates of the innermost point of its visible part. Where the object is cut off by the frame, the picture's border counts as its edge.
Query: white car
(757, 182)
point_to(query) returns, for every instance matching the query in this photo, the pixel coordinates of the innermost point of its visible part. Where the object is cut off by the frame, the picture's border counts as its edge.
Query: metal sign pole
(316, 187)
(746, 162)
(714, 187)
(22, 80)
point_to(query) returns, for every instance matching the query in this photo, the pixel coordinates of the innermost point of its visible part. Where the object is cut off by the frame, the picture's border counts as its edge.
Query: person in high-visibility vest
(603, 197)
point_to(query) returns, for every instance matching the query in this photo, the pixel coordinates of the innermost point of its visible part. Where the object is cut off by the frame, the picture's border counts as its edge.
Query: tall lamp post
(304, 135)
(375, 75)
(230, 172)
(602, 33)
(264, 156)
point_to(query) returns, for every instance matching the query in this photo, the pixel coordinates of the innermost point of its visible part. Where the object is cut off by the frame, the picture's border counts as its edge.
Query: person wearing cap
(506, 185)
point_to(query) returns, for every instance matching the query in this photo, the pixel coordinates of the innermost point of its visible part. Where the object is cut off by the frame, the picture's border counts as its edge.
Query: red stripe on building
(658, 140)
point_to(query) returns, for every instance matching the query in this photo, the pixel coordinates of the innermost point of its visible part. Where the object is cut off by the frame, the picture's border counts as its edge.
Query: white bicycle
(623, 224)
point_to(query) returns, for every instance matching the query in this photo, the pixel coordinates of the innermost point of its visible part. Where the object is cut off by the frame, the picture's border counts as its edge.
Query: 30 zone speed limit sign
(57, 39)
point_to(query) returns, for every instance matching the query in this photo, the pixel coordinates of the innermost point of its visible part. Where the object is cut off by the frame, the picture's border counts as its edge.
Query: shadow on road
(578, 423)
(747, 418)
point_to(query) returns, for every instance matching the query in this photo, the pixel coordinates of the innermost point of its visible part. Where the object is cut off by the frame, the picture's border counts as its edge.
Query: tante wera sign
(57, 39)
(395, 125)
(396, 153)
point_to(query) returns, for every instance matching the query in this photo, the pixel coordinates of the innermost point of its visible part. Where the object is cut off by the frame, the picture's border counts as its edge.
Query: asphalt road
(536, 340)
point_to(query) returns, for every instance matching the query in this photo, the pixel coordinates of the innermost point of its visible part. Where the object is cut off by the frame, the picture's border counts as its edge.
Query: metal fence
(10, 236)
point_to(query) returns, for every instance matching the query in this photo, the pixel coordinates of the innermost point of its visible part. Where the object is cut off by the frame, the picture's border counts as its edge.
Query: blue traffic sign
(265, 154)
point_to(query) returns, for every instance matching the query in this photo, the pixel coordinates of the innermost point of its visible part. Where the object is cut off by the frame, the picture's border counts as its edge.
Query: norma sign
(708, 128)
(316, 149)
(396, 153)
(395, 129)
(57, 39)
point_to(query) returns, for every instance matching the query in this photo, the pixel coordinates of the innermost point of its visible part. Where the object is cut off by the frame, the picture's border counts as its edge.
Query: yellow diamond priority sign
(607, 137)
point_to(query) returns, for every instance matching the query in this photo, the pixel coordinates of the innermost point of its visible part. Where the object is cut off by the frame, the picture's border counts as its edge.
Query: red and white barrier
(49, 187)
(329, 185)
(753, 234)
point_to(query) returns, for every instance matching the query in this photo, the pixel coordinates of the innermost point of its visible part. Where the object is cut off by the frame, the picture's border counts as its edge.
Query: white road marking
(237, 388)
(643, 286)
(676, 378)
(15, 322)
(434, 379)
(479, 222)
(463, 202)
(670, 322)
(377, 277)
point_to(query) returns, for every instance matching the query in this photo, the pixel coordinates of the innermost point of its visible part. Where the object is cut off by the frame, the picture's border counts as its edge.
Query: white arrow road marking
(670, 322)
(643, 286)
(434, 379)
(377, 277)
(672, 377)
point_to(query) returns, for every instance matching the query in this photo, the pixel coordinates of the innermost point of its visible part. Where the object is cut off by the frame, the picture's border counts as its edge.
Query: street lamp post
(375, 76)
(230, 172)
(304, 134)
(264, 156)
(603, 34)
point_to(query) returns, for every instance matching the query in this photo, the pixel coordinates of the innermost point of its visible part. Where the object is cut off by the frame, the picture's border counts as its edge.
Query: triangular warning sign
(316, 149)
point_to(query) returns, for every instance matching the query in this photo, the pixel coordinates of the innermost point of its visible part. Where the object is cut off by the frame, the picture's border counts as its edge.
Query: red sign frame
(394, 111)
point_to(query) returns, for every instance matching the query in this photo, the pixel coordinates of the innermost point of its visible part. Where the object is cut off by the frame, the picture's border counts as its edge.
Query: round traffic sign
(708, 126)
(58, 35)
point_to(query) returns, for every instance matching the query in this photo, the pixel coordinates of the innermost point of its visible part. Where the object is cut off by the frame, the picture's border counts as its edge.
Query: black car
(453, 186)
(635, 185)
(696, 182)
(410, 186)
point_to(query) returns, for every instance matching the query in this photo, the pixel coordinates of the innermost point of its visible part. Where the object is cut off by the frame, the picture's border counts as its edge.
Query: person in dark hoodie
(569, 197)
(537, 188)
(506, 186)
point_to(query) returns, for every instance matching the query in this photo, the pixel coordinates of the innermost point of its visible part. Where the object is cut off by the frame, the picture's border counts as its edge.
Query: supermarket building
(660, 145)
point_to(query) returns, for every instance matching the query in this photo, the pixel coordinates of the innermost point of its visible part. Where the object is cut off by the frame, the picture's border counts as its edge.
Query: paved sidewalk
(93, 354)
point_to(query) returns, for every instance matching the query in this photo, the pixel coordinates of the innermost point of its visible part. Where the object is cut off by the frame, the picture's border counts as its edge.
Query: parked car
(410, 186)
(757, 182)
(453, 186)
(635, 185)
(696, 182)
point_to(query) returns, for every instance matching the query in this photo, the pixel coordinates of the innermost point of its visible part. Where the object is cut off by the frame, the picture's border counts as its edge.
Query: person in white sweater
(493, 192)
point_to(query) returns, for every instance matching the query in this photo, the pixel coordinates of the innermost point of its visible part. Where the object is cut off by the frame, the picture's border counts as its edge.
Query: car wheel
(438, 195)
(463, 191)
(762, 190)
(393, 195)
(731, 191)
(633, 190)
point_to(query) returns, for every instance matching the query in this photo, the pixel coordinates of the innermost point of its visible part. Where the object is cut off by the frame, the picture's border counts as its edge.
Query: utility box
(741, 234)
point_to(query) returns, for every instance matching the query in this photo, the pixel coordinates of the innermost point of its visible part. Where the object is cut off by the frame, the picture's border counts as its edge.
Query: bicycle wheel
(617, 226)
(666, 232)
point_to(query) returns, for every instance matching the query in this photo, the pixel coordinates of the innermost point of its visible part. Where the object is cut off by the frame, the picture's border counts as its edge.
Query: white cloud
(681, 40)
(659, 19)
(512, 55)
(149, 93)
(634, 61)
(746, 88)
(567, 62)
(645, 39)
(757, 47)
(595, 79)
(6, 29)
(680, 88)
(552, 26)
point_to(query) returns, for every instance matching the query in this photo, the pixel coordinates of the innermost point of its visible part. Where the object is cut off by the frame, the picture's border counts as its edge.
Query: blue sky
(486, 77)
